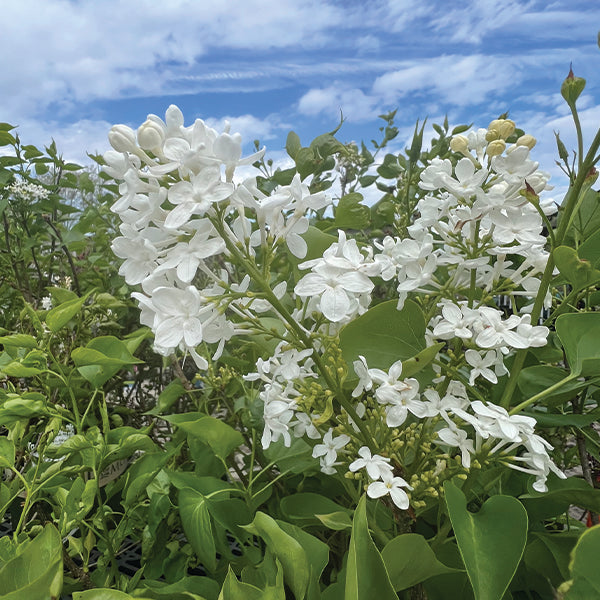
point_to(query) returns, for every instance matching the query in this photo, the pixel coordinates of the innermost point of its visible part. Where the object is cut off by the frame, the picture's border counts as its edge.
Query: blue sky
(72, 68)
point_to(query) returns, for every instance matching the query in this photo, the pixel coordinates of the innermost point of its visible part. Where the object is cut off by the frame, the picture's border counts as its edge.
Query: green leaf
(316, 552)
(292, 144)
(409, 560)
(366, 575)
(421, 360)
(102, 358)
(191, 586)
(59, 316)
(7, 452)
(222, 438)
(305, 162)
(579, 334)
(561, 494)
(350, 213)
(585, 575)
(104, 594)
(236, 590)
(19, 340)
(579, 273)
(563, 420)
(286, 549)
(168, 397)
(141, 473)
(197, 525)
(338, 521)
(491, 542)
(17, 369)
(304, 507)
(37, 572)
(384, 335)
(535, 379)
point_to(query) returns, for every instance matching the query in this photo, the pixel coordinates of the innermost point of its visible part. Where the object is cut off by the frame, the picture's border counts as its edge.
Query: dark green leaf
(222, 438)
(409, 560)
(384, 335)
(491, 541)
(366, 575)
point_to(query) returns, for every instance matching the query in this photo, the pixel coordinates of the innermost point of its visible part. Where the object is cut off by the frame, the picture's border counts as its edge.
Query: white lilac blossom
(374, 464)
(338, 279)
(329, 449)
(392, 486)
(190, 227)
(181, 211)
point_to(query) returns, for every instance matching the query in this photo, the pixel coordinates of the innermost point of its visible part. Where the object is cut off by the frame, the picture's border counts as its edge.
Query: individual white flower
(177, 316)
(336, 288)
(46, 303)
(196, 197)
(481, 365)
(393, 486)
(455, 322)
(365, 383)
(455, 437)
(330, 446)
(303, 426)
(374, 464)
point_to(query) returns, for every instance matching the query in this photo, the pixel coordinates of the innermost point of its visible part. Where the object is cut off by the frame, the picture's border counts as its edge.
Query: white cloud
(250, 127)
(353, 103)
(73, 140)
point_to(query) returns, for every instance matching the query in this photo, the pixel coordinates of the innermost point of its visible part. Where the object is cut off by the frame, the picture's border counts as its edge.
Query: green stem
(572, 198)
(297, 329)
(542, 394)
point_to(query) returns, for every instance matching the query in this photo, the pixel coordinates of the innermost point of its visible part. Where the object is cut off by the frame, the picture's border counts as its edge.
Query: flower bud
(150, 135)
(122, 138)
(527, 140)
(572, 87)
(495, 148)
(491, 135)
(459, 143)
(506, 128)
(591, 177)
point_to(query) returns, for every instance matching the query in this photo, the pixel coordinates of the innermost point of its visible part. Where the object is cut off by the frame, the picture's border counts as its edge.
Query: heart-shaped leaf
(491, 542)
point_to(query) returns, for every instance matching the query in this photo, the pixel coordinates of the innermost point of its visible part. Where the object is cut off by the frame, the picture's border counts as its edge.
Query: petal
(377, 489)
(310, 285)
(335, 304)
(297, 245)
(400, 498)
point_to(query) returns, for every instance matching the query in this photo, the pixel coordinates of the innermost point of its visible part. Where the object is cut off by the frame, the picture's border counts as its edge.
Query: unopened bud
(529, 194)
(572, 87)
(459, 143)
(591, 177)
(122, 138)
(506, 128)
(150, 135)
(527, 140)
(495, 148)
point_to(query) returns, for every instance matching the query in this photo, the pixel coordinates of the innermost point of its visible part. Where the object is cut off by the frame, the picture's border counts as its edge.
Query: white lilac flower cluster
(472, 427)
(27, 191)
(476, 233)
(181, 210)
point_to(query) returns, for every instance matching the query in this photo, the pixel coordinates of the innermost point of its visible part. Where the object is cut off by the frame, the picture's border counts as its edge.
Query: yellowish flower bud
(496, 148)
(459, 143)
(527, 140)
(506, 128)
